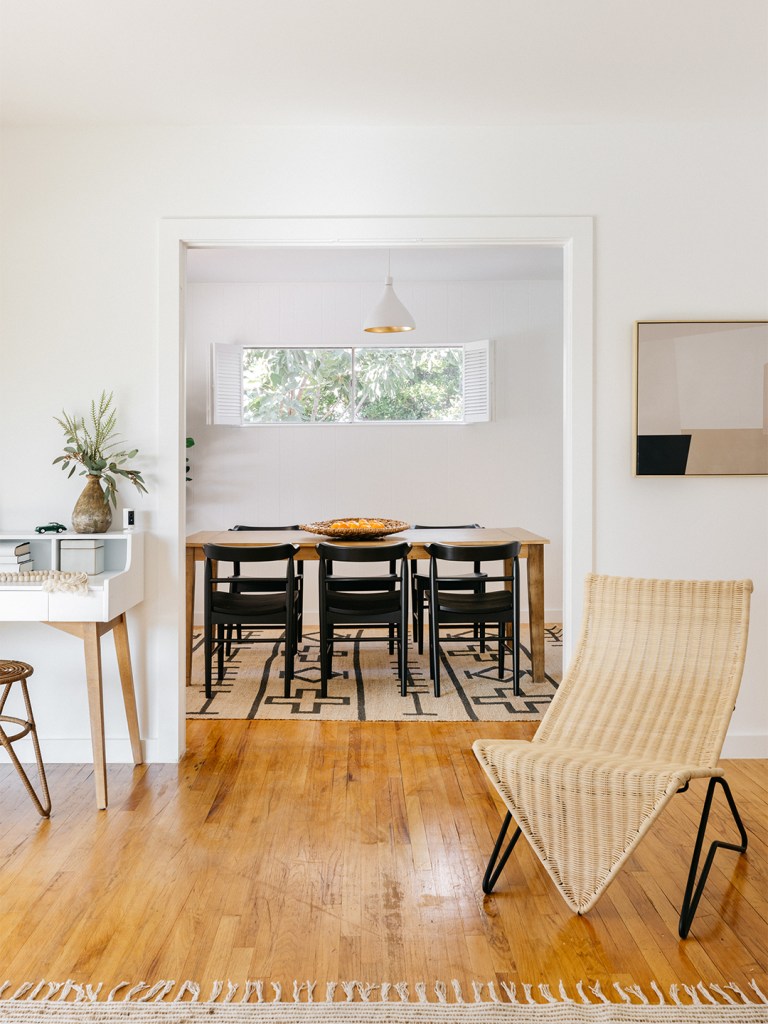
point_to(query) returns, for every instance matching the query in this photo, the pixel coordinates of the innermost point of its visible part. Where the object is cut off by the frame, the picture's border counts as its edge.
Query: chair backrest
(656, 670)
(260, 553)
(474, 552)
(363, 552)
(265, 528)
(459, 526)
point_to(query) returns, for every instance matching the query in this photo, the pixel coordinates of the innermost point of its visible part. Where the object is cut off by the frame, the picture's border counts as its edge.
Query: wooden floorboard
(334, 852)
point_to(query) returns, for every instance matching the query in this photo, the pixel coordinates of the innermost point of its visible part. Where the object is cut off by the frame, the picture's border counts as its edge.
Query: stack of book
(15, 556)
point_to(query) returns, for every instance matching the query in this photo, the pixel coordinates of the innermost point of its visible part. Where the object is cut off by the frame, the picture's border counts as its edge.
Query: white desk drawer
(90, 607)
(18, 605)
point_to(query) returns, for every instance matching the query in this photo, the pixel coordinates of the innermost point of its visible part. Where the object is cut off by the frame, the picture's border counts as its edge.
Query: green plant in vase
(94, 446)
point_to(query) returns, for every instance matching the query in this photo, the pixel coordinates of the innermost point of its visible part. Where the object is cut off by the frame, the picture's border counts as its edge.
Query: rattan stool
(16, 672)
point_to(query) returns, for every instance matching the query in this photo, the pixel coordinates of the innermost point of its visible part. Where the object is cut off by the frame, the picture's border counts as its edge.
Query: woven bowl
(356, 528)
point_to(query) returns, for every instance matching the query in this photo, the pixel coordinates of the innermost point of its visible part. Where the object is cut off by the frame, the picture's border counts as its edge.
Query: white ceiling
(457, 263)
(366, 62)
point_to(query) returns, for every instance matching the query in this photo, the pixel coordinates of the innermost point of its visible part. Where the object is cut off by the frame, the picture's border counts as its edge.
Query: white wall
(504, 473)
(676, 237)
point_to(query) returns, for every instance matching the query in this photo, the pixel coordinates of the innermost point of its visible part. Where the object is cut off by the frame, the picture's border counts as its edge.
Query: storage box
(82, 556)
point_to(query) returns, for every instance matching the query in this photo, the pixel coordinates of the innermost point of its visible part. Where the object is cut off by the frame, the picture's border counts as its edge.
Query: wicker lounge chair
(642, 710)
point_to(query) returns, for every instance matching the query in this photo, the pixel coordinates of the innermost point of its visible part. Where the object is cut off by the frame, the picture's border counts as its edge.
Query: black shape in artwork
(662, 454)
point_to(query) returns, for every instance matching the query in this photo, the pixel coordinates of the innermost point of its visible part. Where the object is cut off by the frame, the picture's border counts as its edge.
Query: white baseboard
(747, 746)
(78, 750)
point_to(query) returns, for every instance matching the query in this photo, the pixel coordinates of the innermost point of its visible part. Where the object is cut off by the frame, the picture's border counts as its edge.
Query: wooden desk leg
(123, 650)
(535, 573)
(190, 609)
(92, 644)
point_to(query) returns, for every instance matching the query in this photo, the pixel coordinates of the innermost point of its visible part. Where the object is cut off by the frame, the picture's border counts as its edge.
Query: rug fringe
(303, 992)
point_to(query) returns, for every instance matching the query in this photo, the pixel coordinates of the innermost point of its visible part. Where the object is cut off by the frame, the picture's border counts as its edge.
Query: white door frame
(572, 234)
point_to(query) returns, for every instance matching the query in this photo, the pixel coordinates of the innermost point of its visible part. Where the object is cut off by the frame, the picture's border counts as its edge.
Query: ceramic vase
(91, 513)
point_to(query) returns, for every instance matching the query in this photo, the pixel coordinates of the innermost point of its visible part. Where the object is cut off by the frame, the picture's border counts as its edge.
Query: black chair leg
(403, 655)
(493, 870)
(208, 649)
(693, 895)
(516, 661)
(326, 662)
(502, 647)
(290, 649)
(300, 614)
(220, 652)
(516, 633)
(434, 650)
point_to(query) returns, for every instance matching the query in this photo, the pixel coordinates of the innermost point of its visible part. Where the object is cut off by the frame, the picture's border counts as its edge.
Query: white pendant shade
(389, 314)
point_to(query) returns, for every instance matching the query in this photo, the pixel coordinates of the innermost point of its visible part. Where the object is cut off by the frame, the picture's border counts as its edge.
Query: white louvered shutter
(227, 381)
(477, 381)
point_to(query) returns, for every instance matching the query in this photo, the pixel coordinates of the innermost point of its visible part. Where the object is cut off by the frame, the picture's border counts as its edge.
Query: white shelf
(118, 588)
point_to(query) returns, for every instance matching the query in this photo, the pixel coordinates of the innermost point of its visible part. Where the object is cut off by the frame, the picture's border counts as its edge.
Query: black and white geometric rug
(365, 686)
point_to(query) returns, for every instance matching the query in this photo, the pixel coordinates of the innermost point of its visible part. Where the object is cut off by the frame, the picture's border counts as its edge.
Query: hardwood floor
(337, 852)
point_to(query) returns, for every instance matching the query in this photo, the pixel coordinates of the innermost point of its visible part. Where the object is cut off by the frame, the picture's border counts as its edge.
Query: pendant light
(389, 314)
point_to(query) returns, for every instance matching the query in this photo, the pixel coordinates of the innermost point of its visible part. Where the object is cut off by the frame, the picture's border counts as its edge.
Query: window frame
(226, 378)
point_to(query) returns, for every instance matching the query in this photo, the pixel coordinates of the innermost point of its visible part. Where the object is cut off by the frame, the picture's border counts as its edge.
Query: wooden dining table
(531, 549)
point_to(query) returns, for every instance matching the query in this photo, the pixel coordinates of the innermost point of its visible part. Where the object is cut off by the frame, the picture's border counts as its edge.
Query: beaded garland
(51, 580)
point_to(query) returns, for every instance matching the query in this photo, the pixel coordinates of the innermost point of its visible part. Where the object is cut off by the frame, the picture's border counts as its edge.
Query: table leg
(535, 574)
(190, 608)
(123, 650)
(92, 644)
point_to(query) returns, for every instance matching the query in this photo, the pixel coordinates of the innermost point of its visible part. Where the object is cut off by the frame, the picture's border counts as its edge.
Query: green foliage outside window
(297, 385)
(305, 385)
(409, 384)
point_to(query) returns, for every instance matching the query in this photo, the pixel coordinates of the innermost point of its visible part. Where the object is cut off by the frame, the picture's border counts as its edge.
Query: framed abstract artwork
(701, 398)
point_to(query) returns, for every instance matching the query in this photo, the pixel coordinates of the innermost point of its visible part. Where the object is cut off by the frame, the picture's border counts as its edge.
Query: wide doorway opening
(517, 469)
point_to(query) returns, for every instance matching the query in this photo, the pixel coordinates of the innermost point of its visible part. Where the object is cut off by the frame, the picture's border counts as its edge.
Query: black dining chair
(364, 602)
(255, 584)
(420, 588)
(448, 607)
(223, 608)
(360, 584)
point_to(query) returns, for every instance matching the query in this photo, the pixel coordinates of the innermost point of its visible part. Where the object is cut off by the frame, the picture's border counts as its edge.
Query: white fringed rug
(365, 687)
(491, 1003)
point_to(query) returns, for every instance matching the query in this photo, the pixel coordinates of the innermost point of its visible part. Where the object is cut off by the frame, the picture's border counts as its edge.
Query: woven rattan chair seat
(606, 803)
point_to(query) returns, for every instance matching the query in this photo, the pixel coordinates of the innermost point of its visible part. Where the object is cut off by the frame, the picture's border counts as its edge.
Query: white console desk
(88, 616)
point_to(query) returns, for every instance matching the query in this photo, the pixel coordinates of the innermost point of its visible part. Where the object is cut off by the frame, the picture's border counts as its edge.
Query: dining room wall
(680, 214)
(507, 472)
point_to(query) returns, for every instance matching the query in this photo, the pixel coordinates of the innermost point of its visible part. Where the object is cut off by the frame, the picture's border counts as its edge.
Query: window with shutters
(413, 384)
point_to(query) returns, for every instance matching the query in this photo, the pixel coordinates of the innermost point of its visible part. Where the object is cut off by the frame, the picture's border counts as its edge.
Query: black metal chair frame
(233, 608)
(693, 888)
(255, 584)
(448, 608)
(420, 588)
(364, 602)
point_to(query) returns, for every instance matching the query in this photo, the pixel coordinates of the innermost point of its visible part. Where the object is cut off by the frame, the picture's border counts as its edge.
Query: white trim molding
(574, 235)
